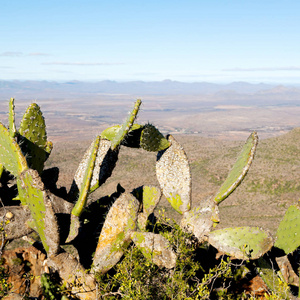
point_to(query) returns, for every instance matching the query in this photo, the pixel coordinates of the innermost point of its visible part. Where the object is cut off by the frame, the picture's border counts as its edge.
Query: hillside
(272, 184)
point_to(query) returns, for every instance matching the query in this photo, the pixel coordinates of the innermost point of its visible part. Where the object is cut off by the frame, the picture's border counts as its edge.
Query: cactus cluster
(24, 151)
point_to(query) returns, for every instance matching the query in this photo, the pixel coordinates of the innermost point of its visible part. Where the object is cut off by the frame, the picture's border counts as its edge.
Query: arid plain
(212, 130)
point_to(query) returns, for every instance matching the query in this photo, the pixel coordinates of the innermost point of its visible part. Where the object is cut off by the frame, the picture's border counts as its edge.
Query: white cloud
(81, 63)
(263, 69)
(11, 54)
(38, 54)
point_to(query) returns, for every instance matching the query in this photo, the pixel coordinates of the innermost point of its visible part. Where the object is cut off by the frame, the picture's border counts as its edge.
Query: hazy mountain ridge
(166, 87)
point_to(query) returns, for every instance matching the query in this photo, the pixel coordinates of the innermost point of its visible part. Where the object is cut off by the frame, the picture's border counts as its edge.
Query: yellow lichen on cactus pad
(174, 176)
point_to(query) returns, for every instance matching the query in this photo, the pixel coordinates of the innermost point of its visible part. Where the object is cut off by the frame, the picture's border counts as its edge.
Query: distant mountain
(166, 87)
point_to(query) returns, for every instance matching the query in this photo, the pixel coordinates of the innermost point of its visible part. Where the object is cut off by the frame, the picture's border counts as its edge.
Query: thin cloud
(263, 69)
(11, 54)
(38, 54)
(61, 63)
(5, 67)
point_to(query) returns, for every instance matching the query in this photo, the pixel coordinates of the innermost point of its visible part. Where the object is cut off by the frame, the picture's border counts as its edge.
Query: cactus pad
(270, 277)
(11, 118)
(152, 139)
(116, 232)
(174, 176)
(105, 162)
(34, 137)
(150, 196)
(88, 169)
(239, 169)
(155, 248)
(242, 242)
(11, 156)
(288, 232)
(200, 220)
(39, 203)
(120, 135)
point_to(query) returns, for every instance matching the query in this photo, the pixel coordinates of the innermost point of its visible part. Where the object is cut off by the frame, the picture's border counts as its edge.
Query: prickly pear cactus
(11, 156)
(39, 203)
(242, 242)
(120, 135)
(34, 137)
(105, 162)
(288, 232)
(11, 118)
(155, 248)
(200, 220)
(150, 196)
(88, 169)
(174, 176)
(116, 232)
(239, 169)
(152, 140)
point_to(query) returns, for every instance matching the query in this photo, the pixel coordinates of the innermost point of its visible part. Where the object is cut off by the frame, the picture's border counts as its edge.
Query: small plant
(5, 287)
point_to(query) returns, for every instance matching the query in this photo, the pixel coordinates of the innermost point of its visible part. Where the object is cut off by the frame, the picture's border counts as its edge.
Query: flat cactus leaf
(116, 232)
(48, 148)
(116, 141)
(150, 196)
(174, 176)
(111, 132)
(200, 220)
(288, 232)
(239, 170)
(105, 162)
(15, 219)
(242, 242)
(271, 278)
(11, 156)
(1, 169)
(11, 118)
(155, 248)
(74, 276)
(88, 170)
(34, 137)
(39, 203)
(152, 139)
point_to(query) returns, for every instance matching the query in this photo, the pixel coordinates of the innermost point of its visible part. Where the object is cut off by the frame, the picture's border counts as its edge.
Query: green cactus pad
(1, 169)
(87, 169)
(120, 135)
(39, 203)
(242, 242)
(174, 176)
(152, 139)
(155, 248)
(11, 118)
(34, 137)
(150, 196)
(116, 232)
(288, 232)
(111, 132)
(239, 170)
(11, 156)
(200, 220)
(271, 278)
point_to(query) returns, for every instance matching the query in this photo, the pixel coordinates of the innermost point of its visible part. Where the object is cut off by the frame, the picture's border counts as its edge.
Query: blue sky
(189, 40)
